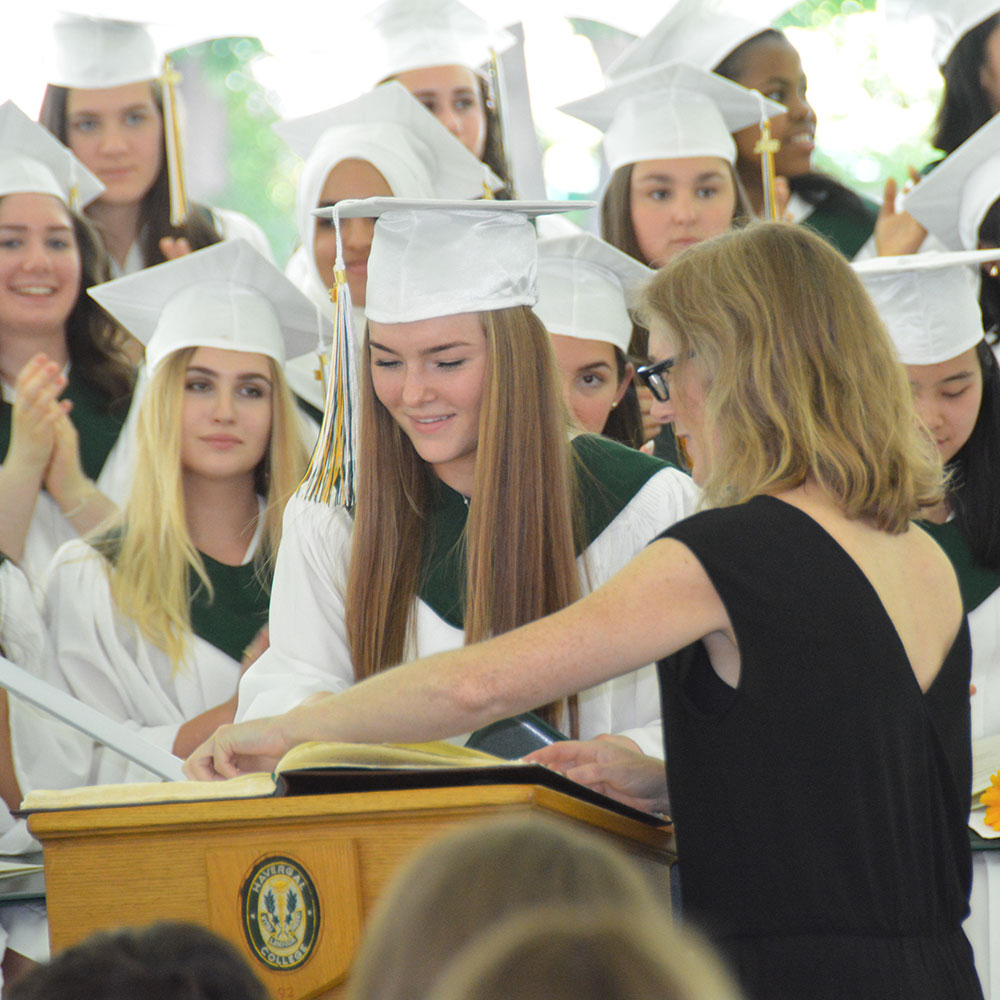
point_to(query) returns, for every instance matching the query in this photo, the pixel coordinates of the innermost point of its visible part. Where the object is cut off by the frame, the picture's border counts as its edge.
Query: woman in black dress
(814, 658)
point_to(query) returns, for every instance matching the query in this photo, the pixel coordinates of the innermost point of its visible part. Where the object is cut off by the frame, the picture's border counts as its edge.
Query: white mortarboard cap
(670, 112)
(953, 198)
(441, 258)
(226, 296)
(97, 52)
(412, 34)
(33, 161)
(586, 287)
(702, 32)
(928, 301)
(951, 19)
(392, 130)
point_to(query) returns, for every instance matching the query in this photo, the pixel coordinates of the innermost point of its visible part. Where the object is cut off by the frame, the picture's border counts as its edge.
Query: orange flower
(991, 799)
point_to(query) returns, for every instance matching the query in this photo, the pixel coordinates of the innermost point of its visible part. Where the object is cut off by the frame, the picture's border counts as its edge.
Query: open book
(326, 768)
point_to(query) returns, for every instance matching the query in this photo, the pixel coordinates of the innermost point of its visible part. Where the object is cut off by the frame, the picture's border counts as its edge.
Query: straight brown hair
(520, 536)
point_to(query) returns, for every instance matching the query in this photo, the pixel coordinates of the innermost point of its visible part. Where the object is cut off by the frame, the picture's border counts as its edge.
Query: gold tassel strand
(765, 148)
(332, 474)
(172, 132)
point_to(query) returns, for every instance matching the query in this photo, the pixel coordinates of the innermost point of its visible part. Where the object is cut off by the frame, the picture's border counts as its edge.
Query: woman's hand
(36, 410)
(65, 480)
(257, 745)
(173, 247)
(613, 766)
(897, 232)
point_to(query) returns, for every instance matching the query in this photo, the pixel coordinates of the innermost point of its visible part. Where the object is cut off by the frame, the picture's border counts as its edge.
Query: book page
(386, 755)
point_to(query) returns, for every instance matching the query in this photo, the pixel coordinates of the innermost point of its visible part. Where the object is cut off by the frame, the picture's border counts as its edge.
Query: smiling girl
(65, 379)
(740, 46)
(154, 619)
(475, 512)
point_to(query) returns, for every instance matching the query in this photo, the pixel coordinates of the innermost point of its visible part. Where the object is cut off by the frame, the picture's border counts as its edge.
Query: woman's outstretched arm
(600, 636)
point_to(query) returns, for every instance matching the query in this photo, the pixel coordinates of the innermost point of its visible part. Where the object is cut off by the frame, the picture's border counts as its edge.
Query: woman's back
(836, 835)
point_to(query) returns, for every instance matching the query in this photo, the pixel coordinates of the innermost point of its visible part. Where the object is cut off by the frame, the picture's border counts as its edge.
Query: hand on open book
(257, 745)
(613, 766)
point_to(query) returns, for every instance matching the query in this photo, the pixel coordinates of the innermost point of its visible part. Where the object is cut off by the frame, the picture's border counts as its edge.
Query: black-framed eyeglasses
(655, 378)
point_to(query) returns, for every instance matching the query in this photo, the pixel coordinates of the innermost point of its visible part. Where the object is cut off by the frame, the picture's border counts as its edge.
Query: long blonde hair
(150, 547)
(802, 379)
(519, 539)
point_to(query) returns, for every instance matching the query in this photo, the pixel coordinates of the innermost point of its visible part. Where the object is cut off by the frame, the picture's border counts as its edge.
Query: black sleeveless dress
(821, 805)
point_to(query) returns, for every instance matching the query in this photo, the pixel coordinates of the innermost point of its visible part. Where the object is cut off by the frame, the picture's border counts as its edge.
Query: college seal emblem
(280, 911)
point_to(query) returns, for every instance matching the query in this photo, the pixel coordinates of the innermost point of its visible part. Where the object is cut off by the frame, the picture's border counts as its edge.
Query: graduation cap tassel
(332, 474)
(172, 132)
(765, 148)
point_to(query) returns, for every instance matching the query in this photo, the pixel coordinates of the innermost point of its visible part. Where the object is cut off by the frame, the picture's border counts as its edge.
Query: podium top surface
(343, 807)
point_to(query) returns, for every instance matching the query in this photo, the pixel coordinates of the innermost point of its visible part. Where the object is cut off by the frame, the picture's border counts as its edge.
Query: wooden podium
(288, 880)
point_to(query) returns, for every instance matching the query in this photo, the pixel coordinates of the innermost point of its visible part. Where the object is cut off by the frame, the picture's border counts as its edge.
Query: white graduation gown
(309, 650)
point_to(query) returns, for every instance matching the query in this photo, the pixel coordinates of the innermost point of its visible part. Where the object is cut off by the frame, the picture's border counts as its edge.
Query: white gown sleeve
(309, 650)
(102, 659)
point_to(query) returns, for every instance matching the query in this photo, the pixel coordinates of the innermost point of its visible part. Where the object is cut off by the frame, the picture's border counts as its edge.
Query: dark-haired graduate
(928, 302)
(966, 48)
(105, 101)
(741, 46)
(65, 379)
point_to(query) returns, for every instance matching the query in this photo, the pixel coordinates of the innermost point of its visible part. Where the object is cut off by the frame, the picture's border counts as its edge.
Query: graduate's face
(452, 95)
(773, 67)
(588, 372)
(117, 133)
(429, 375)
(348, 179)
(677, 203)
(686, 406)
(226, 413)
(39, 263)
(947, 397)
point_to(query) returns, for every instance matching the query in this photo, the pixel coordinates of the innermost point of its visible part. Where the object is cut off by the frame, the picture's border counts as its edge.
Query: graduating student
(967, 49)
(66, 380)
(668, 143)
(745, 49)
(585, 289)
(475, 512)
(382, 143)
(154, 619)
(929, 305)
(440, 51)
(814, 656)
(959, 204)
(105, 100)
(672, 158)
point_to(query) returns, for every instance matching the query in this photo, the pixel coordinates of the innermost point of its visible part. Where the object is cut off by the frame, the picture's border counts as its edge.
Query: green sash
(976, 582)
(847, 232)
(238, 609)
(98, 429)
(609, 476)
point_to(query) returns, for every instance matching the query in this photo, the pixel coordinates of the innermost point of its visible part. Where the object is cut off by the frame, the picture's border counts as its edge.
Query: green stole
(237, 610)
(976, 582)
(609, 476)
(847, 232)
(98, 429)
(234, 614)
